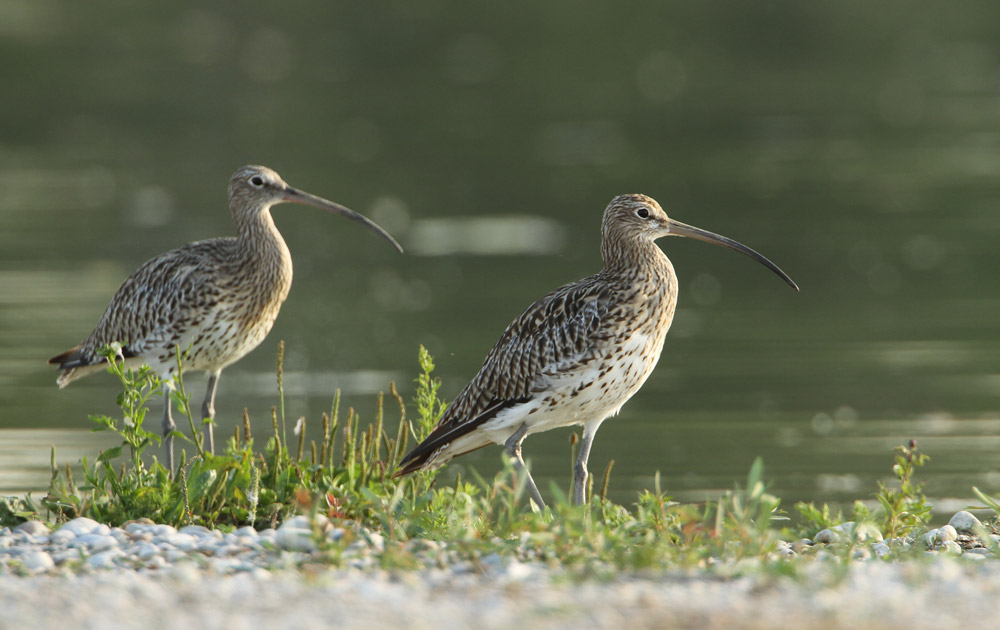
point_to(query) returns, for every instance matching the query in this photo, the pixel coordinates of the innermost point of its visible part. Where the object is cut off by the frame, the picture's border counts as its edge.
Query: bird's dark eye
(256, 181)
(642, 213)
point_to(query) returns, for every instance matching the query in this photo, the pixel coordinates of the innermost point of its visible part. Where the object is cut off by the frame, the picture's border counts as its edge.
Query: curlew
(216, 299)
(578, 354)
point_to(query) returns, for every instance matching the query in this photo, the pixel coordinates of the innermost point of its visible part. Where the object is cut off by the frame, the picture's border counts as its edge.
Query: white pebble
(294, 538)
(105, 559)
(952, 547)
(95, 542)
(947, 533)
(37, 561)
(184, 542)
(163, 530)
(827, 537)
(81, 525)
(33, 528)
(881, 549)
(965, 522)
(930, 538)
(61, 536)
(145, 550)
(246, 530)
(376, 542)
(137, 528)
(196, 530)
(186, 572)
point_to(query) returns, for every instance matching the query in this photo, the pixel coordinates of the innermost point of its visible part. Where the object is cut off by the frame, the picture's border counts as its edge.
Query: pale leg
(513, 446)
(208, 410)
(168, 427)
(580, 473)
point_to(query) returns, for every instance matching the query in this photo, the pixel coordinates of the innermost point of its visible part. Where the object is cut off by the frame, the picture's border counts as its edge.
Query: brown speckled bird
(216, 300)
(578, 354)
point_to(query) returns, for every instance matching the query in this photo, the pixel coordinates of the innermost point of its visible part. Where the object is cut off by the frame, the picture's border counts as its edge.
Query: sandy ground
(941, 593)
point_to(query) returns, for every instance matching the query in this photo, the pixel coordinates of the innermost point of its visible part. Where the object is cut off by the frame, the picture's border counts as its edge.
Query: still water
(857, 148)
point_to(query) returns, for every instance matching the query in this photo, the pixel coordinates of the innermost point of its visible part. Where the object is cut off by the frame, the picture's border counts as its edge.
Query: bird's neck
(260, 243)
(640, 258)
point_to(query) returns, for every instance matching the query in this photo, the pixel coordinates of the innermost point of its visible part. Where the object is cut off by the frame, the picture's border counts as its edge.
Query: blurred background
(856, 146)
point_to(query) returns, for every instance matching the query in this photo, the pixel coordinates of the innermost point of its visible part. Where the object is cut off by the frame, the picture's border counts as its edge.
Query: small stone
(145, 550)
(95, 542)
(965, 522)
(184, 542)
(37, 561)
(952, 547)
(196, 530)
(143, 522)
(81, 525)
(947, 533)
(880, 549)
(164, 530)
(135, 528)
(246, 530)
(376, 542)
(186, 572)
(858, 532)
(930, 538)
(294, 538)
(801, 545)
(105, 559)
(67, 555)
(61, 536)
(33, 528)
(981, 552)
(827, 537)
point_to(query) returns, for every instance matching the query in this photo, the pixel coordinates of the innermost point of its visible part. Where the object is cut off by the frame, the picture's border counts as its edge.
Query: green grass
(346, 475)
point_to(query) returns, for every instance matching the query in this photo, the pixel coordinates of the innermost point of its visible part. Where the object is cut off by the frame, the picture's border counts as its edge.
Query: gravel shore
(943, 594)
(154, 576)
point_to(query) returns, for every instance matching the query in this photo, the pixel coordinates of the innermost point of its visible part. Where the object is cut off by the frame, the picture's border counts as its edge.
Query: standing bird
(216, 300)
(578, 354)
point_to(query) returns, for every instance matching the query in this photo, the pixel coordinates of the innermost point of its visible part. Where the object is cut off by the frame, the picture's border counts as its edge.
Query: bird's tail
(434, 451)
(75, 364)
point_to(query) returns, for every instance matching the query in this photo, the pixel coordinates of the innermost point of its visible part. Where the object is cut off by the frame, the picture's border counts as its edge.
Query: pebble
(950, 546)
(965, 522)
(827, 537)
(37, 561)
(80, 526)
(947, 533)
(86, 545)
(33, 528)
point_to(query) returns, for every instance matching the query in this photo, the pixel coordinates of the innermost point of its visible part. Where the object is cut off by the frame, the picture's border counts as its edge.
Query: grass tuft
(347, 478)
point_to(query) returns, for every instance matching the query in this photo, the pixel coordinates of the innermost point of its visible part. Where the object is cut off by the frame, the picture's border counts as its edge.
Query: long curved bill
(676, 228)
(294, 195)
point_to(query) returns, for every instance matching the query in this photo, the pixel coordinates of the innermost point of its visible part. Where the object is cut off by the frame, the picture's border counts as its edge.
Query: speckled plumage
(216, 299)
(578, 354)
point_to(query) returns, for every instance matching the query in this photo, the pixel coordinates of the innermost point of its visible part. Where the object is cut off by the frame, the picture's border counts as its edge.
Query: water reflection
(26, 453)
(858, 149)
(486, 236)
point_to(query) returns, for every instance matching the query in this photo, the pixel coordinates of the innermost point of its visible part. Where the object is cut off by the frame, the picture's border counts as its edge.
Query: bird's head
(254, 189)
(629, 219)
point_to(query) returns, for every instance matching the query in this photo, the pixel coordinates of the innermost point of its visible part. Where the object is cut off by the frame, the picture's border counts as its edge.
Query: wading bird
(579, 353)
(215, 300)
